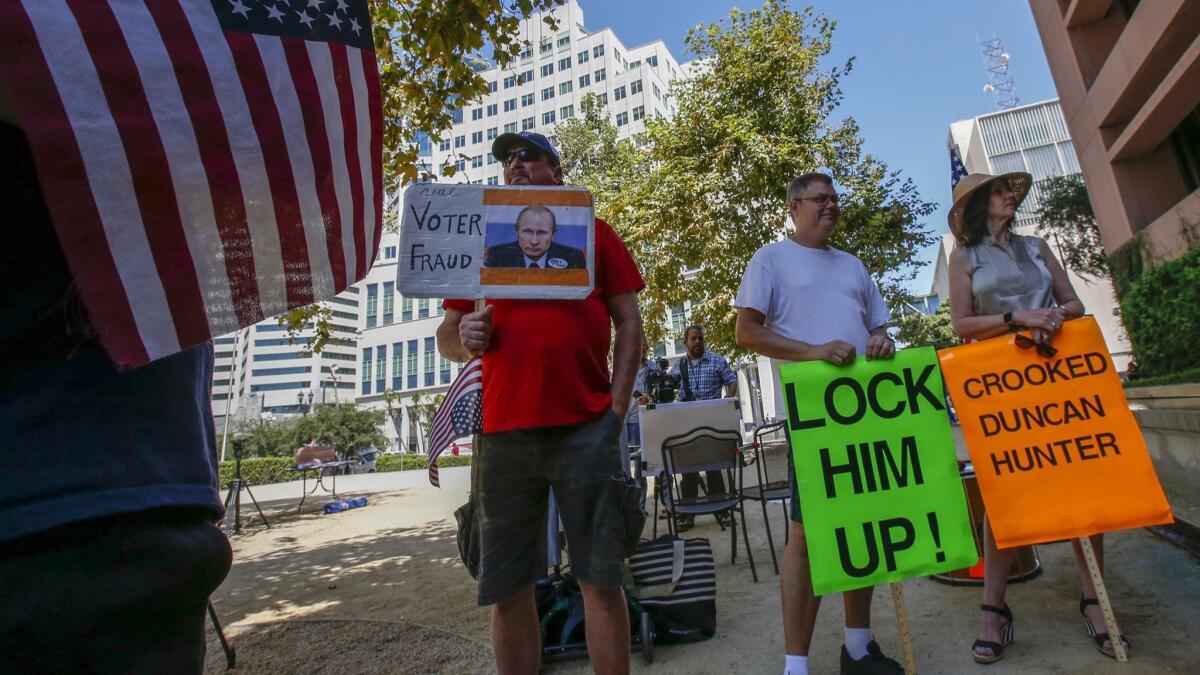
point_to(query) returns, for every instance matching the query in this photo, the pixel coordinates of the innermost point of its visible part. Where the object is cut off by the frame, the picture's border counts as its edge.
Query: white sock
(856, 641)
(795, 665)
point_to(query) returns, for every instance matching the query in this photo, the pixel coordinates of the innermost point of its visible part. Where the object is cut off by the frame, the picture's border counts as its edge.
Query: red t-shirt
(548, 360)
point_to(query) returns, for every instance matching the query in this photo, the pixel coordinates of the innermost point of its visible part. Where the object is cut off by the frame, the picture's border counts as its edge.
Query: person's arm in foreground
(627, 319)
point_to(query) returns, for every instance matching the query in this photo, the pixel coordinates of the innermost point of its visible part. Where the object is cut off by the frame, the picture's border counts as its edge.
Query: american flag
(461, 414)
(207, 163)
(957, 170)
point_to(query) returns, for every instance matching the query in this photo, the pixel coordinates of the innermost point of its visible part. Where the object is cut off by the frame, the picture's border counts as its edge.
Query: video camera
(659, 383)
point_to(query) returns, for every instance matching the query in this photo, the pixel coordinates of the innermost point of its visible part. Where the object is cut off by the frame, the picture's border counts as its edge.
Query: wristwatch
(1008, 320)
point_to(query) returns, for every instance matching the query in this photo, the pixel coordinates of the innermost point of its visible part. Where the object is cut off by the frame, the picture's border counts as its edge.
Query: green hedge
(259, 470)
(263, 470)
(1161, 312)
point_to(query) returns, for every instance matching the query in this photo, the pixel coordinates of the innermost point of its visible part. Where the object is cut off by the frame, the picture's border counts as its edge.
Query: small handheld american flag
(461, 414)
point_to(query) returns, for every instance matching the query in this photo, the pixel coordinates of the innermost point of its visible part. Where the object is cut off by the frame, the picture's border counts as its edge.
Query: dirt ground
(380, 589)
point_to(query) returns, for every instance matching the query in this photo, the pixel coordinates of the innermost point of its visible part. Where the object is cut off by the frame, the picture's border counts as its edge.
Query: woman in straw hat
(1002, 282)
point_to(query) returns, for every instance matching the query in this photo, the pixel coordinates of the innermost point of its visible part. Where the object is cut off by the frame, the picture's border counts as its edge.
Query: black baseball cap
(505, 142)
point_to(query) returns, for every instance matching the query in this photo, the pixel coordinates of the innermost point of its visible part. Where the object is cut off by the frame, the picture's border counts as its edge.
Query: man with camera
(702, 375)
(552, 418)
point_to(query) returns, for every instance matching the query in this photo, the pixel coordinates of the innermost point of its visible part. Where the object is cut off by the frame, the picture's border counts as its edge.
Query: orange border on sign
(501, 276)
(537, 197)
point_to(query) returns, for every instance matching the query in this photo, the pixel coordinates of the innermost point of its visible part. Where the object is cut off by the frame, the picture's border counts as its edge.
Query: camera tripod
(233, 514)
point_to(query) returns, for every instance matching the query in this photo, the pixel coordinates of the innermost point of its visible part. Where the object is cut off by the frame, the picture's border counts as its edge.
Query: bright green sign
(879, 485)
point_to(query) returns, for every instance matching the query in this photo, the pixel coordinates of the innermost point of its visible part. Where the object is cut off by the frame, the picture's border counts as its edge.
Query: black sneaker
(874, 663)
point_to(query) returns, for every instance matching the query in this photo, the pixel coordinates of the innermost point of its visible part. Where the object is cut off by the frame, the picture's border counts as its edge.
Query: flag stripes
(206, 167)
(460, 414)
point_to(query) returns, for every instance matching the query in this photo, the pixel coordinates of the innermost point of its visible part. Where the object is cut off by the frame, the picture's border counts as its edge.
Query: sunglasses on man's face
(524, 155)
(819, 198)
(1026, 342)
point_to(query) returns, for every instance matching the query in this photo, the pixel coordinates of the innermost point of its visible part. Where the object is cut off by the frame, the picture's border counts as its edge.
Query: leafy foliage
(924, 330)
(1066, 219)
(258, 471)
(1161, 312)
(707, 188)
(344, 426)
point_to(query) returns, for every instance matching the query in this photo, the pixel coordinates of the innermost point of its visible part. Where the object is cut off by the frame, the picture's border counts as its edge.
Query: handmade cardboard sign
(1056, 450)
(471, 241)
(879, 486)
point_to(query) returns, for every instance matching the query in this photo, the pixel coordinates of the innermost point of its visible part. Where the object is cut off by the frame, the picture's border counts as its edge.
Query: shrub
(258, 471)
(409, 462)
(1161, 311)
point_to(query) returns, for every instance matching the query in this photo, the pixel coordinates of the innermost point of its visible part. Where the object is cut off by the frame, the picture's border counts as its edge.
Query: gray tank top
(1009, 279)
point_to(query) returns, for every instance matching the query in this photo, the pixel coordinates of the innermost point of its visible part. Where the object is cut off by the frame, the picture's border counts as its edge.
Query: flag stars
(305, 18)
(274, 13)
(343, 6)
(240, 8)
(334, 20)
(354, 26)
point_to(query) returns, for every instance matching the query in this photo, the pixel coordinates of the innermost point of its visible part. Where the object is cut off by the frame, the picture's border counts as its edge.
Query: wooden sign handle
(1110, 619)
(910, 664)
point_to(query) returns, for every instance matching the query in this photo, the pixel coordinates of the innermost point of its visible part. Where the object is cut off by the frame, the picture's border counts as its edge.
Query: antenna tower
(1000, 82)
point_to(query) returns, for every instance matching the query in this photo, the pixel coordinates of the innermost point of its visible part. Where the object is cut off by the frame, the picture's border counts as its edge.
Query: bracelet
(1010, 322)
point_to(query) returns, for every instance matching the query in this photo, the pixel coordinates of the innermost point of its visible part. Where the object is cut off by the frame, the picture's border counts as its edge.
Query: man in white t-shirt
(803, 300)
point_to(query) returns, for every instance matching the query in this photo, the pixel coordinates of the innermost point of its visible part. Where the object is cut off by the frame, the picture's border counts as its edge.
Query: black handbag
(468, 536)
(675, 581)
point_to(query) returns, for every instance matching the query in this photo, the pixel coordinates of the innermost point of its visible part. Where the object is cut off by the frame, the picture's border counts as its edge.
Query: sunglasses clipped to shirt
(524, 155)
(1026, 342)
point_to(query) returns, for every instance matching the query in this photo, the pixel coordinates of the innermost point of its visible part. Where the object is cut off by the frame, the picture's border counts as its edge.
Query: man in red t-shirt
(552, 418)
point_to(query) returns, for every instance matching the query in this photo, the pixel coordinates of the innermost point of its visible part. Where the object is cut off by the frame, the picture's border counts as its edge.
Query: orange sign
(1056, 450)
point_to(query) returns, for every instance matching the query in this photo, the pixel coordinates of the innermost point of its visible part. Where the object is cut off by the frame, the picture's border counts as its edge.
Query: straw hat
(1018, 181)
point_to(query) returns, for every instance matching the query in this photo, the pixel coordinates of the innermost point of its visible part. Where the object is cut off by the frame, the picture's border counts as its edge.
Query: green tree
(1066, 219)
(709, 187)
(923, 330)
(594, 157)
(345, 427)
(428, 53)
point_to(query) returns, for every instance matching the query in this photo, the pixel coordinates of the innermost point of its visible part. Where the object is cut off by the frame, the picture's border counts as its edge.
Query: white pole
(229, 394)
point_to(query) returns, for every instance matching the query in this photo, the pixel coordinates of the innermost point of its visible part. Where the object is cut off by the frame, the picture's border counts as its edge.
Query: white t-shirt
(812, 295)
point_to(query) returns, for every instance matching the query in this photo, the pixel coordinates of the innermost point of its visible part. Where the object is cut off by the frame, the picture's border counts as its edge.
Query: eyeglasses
(524, 155)
(1026, 342)
(819, 198)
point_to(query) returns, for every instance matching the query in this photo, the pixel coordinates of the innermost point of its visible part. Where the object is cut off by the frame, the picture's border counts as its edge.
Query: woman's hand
(1048, 320)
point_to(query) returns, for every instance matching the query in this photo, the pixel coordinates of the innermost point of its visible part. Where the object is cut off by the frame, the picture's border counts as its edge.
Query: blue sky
(917, 69)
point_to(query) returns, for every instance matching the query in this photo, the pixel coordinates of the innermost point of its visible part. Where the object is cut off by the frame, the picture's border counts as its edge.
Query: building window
(548, 117)
(527, 76)
(601, 75)
(619, 93)
(546, 47)
(405, 309)
(389, 252)
(429, 354)
(598, 51)
(445, 369)
(423, 308)
(372, 304)
(653, 61)
(526, 99)
(527, 53)
(460, 165)
(639, 112)
(456, 116)
(366, 370)
(603, 98)
(1185, 140)
(397, 365)
(389, 301)
(291, 370)
(476, 114)
(635, 87)
(564, 64)
(581, 57)
(460, 141)
(476, 137)
(491, 133)
(677, 324)
(491, 110)
(584, 80)
(492, 180)
(566, 87)
(510, 128)
(491, 87)
(491, 159)
(548, 70)
(564, 41)
(510, 81)
(547, 93)
(567, 112)
(412, 364)
(510, 105)
(476, 161)
(622, 119)
(527, 124)
(380, 369)
(444, 145)
(657, 95)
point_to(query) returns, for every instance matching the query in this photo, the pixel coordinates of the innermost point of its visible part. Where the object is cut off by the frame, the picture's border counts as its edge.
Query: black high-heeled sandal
(1007, 637)
(1099, 638)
